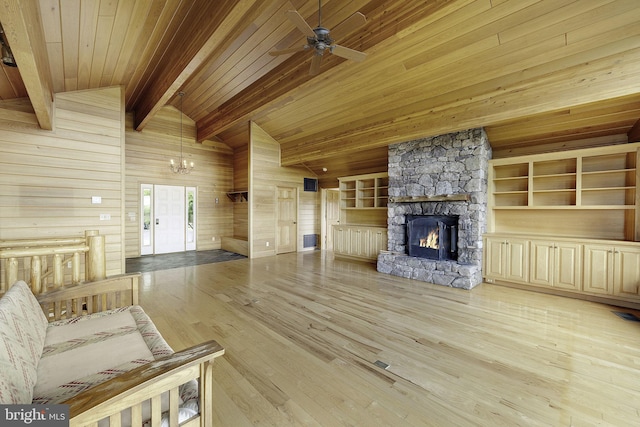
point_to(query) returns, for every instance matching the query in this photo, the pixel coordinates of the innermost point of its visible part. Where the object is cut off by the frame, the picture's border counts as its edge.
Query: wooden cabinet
(506, 259)
(555, 264)
(606, 269)
(362, 231)
(359, 242)
(580, 212)
(612, 270)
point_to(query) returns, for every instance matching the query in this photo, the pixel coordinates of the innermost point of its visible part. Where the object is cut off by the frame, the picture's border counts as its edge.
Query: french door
(168, 219)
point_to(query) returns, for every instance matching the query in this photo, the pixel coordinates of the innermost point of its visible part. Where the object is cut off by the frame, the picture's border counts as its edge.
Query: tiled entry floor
(179, 259)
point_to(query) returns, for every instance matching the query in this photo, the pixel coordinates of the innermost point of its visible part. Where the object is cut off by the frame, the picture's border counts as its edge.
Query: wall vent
(310, 184)
(309, 240)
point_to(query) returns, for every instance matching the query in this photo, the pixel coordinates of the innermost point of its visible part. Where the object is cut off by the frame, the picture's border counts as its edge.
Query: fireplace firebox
(433, 236)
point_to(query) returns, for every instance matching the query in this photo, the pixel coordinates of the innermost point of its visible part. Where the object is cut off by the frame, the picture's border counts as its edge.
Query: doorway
(287, 218)
(330, 216)
(168, 219)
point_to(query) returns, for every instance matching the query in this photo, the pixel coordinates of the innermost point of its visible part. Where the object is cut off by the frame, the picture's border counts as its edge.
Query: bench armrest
(149, 381)
(90, 297)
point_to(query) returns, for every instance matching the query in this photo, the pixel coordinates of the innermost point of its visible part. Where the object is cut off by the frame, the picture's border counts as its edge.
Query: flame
(431, 241)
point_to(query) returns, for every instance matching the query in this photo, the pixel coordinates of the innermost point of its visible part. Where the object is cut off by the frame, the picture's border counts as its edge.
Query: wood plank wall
(241, 182)
(47, 178)
(147, 162)
(265, 174)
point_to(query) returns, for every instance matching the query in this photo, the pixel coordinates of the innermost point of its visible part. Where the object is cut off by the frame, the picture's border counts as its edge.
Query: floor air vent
(309, 240)
(627, 316)
(381, 364)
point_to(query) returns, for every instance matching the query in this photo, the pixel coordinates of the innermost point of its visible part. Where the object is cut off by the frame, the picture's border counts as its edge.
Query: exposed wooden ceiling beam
(191, 51)
(384, 21)
(23, 28)
(634, 133)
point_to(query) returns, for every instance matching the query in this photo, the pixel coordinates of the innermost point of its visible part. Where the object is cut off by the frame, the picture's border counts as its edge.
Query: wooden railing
(41, 262)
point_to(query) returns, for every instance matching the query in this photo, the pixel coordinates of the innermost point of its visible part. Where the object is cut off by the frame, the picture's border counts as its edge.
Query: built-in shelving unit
(364, 191)
(595, 181)
(362, 231)
(579, 181)
(567, 223)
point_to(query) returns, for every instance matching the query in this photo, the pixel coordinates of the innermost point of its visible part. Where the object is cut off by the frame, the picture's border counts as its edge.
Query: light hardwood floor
(302, 333)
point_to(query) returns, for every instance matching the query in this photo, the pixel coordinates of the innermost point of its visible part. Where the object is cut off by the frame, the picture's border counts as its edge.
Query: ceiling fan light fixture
(320, 40)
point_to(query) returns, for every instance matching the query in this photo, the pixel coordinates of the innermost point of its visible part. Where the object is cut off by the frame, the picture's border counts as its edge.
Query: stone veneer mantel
(442, 175)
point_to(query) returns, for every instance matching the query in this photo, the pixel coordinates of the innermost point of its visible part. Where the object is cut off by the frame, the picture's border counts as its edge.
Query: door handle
(157, 221)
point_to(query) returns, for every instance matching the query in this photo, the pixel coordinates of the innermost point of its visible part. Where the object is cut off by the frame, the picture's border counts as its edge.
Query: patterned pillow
(23, 327)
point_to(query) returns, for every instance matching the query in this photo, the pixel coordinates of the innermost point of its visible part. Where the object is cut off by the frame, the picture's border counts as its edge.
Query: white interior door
(332, 216)
(169, 207)
(146, 219)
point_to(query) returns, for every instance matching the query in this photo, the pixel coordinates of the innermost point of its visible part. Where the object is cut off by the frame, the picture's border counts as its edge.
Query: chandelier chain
(182, 167)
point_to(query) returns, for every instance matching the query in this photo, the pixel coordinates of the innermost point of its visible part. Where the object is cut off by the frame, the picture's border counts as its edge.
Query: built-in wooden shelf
(238, 196)
(370, 191)
(586, 193)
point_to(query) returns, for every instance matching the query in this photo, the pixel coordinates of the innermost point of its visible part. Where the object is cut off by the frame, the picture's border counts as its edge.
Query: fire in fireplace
(433, 236)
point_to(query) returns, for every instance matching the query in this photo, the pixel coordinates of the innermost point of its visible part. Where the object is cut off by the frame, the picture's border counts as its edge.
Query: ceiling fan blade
(287, 51)
(345, 52)
(349, 25)
(315, 64)
(299, 21)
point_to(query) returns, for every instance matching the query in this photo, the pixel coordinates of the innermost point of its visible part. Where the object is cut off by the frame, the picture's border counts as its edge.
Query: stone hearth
(452, 166)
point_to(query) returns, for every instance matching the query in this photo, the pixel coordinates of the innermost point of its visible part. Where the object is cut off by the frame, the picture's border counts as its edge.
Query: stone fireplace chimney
(442, 175)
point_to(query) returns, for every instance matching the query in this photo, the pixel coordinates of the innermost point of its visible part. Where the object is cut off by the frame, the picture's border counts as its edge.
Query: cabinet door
(626, 272)
(598, 269)
(517, 260)
(495, 258)
(340, 240)
(378, 242)
(542, 263)
(567, 266)
(359, 241)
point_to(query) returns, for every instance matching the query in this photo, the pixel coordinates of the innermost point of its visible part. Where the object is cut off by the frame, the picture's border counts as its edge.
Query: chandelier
(181, 167)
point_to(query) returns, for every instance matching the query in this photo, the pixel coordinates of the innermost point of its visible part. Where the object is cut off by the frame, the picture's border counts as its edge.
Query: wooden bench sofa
(92, 347)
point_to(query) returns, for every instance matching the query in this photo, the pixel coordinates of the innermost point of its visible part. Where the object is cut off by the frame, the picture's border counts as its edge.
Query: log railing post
(58, 271)
(36, 275)
(12, 272)
(75, 268)
(96, 261)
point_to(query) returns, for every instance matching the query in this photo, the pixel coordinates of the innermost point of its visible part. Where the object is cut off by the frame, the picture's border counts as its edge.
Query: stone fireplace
(433, 179)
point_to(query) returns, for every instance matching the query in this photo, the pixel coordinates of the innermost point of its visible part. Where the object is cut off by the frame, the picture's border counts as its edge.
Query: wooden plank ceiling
(538, 75)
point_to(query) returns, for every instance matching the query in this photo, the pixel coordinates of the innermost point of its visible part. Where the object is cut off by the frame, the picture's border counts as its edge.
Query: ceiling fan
(319, 40)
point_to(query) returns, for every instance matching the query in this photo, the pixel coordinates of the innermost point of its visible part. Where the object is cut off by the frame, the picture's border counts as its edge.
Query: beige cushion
(23, 328)
(86, 353)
